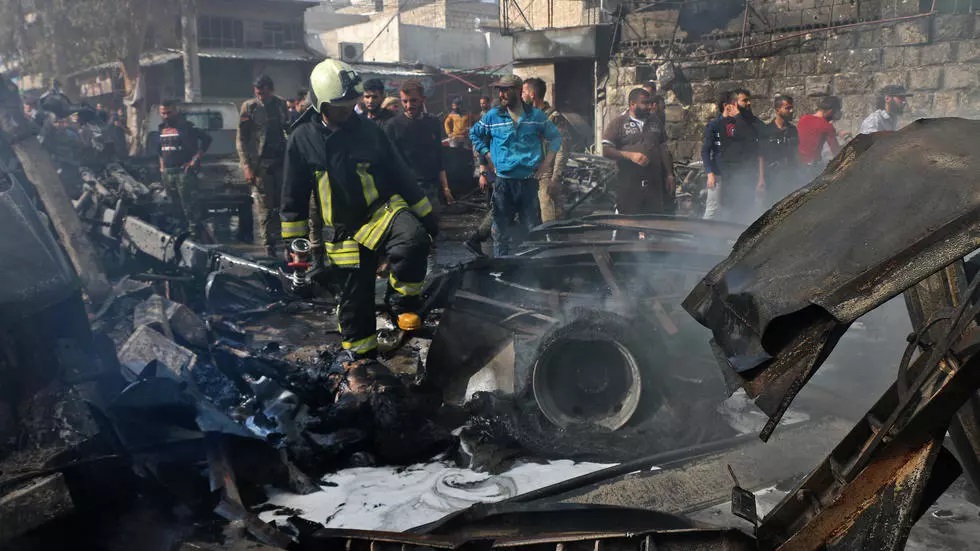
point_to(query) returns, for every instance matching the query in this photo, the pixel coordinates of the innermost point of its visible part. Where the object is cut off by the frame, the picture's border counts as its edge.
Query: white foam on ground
(399, 498)
(743, 416)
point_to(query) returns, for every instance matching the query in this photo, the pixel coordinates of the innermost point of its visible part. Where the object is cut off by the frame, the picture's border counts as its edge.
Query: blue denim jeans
(513, 199)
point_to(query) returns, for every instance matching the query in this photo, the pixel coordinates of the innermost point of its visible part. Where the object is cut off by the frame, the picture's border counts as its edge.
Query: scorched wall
(937, 57)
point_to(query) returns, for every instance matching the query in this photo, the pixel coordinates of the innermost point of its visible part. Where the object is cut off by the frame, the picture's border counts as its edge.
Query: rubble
(147, 348)
(223, 388)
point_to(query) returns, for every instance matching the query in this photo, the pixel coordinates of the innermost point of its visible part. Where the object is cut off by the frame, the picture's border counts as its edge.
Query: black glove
(431, 224)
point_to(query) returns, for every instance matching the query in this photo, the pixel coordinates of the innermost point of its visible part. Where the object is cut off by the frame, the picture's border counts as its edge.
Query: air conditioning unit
(351, 51)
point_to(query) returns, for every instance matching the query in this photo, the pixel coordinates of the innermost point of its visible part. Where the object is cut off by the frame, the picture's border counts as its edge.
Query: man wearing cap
(512, 134)
(261, 144)
(369, 202)
(890, 105)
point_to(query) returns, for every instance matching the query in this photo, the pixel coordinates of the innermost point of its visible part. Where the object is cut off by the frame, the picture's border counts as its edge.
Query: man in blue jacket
(514, 134)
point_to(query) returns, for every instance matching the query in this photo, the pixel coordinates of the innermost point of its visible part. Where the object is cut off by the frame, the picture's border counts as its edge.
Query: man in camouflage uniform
(261, 149)
(550, 193)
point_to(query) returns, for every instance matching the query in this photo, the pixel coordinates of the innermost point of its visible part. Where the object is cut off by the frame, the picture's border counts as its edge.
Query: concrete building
(237, 41)
(440, 33)
(567, 44)
(452, 46)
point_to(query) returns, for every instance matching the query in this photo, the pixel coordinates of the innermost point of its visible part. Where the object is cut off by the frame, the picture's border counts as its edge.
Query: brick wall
(451, 14)
(462, 15)
(429, 15)
(937, 58)
(545, 14)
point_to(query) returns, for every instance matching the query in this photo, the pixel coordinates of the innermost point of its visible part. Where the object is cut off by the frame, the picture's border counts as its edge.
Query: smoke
(862, 366)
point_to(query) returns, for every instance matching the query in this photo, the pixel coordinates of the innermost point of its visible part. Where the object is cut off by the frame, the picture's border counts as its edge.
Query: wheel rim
(593, 381)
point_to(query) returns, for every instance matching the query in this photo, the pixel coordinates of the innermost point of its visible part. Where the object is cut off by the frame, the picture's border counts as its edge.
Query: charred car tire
(599, 369)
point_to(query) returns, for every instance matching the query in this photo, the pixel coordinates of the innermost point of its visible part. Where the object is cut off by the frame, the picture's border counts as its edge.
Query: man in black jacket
(733, 159)
(369, 202)
(417, 136)
(181, 148)
(374, 97)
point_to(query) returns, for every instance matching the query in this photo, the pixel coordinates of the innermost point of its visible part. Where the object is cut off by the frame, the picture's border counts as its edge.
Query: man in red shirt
(816, 130)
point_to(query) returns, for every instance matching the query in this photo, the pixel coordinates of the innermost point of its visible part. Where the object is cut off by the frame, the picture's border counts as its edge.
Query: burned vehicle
(584, 326)
(776, 307)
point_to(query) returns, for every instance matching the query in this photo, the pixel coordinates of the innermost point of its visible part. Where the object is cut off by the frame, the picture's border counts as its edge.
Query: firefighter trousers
(406, 247)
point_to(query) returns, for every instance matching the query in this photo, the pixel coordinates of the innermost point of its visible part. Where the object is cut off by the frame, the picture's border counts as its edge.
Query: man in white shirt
(891, 104)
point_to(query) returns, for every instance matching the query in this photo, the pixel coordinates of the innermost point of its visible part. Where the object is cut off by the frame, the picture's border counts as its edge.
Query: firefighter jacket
(262, 131)
(360, 182)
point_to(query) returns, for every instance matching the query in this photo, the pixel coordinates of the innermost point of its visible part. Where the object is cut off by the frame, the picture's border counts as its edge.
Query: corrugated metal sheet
(258, 53)
(159, 57)
(165, 56)
(390, 69)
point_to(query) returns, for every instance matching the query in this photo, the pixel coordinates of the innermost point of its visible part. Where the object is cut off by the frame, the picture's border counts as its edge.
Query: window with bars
(220, 32)
(282, 35)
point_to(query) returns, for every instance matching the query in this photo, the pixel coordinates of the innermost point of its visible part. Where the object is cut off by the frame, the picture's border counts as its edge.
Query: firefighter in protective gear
(369, 201)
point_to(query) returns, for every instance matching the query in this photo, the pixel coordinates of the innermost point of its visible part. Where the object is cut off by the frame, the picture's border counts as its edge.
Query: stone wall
(936, 57)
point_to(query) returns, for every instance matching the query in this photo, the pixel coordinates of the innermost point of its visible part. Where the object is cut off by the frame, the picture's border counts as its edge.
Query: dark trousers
(406, 246)
(433, 192)
(738, 194)
(513, 199)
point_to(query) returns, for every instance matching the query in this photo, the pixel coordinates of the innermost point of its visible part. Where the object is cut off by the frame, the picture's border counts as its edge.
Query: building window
(282, 35)
(220, 32)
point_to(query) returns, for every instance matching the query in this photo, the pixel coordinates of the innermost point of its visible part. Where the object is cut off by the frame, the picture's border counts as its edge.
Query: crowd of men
(369, 169)
(523, 171)
(751, 164)
(363, 177)
(519, 145)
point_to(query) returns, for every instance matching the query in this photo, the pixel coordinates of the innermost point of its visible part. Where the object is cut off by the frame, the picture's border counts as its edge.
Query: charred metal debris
(200, 381)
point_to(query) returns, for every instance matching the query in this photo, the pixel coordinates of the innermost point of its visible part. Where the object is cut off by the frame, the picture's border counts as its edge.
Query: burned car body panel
(36, 273)
(814, 263)
(579, 293)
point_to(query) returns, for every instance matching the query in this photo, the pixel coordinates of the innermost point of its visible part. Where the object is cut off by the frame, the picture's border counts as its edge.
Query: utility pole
(192, 63)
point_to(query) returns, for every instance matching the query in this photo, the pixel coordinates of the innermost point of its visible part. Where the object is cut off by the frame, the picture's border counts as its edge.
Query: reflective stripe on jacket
(360, 184)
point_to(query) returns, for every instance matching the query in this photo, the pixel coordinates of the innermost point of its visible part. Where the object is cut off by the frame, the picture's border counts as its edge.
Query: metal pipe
(454, 77)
